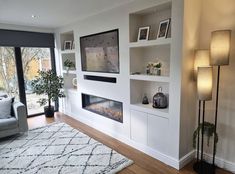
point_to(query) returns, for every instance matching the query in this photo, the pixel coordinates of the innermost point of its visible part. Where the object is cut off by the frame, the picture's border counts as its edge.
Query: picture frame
(100, 52)
(143, 34)
(67, 45)
(163, 28)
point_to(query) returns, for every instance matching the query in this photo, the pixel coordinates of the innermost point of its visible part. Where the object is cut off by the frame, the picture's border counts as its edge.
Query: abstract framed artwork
(100, 52)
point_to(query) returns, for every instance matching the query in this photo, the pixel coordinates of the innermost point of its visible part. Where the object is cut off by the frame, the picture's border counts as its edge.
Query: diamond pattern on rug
(58, 148)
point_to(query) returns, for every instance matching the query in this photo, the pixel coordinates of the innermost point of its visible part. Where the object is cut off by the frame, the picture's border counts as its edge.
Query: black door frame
(20, 77)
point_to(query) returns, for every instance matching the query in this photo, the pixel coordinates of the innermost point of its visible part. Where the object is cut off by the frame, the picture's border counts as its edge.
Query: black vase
(49, 111)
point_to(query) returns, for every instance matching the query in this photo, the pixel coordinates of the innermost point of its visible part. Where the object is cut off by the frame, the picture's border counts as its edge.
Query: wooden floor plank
(143, 164)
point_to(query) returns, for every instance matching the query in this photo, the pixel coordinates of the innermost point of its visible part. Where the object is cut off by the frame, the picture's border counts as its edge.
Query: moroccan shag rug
(58, 148)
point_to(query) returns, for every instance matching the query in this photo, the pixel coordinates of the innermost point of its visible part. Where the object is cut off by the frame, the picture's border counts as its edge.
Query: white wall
(217, 15)
(192, 16)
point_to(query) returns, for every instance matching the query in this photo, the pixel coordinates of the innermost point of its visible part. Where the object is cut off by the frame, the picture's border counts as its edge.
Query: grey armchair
(15, 124)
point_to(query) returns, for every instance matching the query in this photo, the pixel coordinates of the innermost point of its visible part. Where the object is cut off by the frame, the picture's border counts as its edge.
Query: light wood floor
(143, 164)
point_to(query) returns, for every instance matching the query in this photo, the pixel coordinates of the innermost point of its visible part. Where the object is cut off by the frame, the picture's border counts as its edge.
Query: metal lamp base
(203, 167)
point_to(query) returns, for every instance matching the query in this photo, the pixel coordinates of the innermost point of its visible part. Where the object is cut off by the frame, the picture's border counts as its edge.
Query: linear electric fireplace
(102, 106)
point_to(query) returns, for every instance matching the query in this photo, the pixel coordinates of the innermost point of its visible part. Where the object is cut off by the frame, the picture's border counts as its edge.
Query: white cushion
(5, 108)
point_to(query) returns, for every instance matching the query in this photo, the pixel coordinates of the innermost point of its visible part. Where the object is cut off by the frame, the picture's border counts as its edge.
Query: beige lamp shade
(204, 83)
(201, 59)
(220, 47)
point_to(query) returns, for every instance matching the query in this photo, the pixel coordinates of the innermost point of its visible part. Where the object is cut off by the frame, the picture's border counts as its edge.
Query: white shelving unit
(153, 78)
(149, 43)
(141, 84)
(68, 55)
(69, 72)
(149, 109)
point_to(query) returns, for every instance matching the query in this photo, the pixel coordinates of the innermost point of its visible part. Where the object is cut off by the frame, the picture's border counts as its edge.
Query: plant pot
(49, 111)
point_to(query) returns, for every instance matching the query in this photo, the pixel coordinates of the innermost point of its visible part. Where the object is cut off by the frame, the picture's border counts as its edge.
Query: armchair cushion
(5, 108)
(8, 123)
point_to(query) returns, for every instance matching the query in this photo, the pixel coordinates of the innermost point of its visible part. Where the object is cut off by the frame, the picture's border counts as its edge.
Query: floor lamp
(219, 56)
(201, 59)
(204, 91)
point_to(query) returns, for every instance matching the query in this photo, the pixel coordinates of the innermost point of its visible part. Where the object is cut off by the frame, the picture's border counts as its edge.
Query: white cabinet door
(139, 121)
(74, 104)
(67, 105)
(158, 133)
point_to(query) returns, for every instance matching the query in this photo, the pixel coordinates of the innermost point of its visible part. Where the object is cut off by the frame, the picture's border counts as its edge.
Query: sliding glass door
(22, 55)
(8, 74)
(18, 67)
(34, 60)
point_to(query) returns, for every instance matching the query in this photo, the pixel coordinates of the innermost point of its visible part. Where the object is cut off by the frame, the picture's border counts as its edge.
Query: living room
(117, 86)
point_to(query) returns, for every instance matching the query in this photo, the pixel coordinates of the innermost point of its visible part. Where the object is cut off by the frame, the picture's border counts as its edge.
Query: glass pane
(8, 75)
(33, 60)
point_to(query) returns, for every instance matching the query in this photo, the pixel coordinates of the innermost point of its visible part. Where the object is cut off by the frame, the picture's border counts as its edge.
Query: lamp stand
(198, 136)
(216, 112)
(202, 167)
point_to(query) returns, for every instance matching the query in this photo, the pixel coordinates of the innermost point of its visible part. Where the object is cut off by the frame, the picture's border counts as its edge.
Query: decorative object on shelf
(163, 28)
(68, 64)
(157, 68)
(51, 85)
(149, 68)
(154, 68)
(100, 52)
(204, 91)
(143, 33)
(160, 100)
(145, 100)
(75, 82)
(67, 45)
(201, 59)
(219, 56)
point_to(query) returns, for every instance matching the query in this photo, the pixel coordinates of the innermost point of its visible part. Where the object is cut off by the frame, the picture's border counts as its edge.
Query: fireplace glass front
(102, 106)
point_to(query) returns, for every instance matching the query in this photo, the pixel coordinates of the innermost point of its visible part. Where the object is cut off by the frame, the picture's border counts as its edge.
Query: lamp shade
(220, 47)
(201, 59)
(204, 83)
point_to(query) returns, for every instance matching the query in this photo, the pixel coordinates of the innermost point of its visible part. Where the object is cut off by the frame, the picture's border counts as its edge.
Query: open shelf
(149, 17)
(68, 80)
(150, 110)
(166, 41)
(150, 78)
(141, 56)
(66, 36)
(140, 88)
(68, 56)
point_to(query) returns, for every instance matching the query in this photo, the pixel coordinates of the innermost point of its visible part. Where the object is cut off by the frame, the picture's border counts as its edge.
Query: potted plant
(68, 64)
(209, 131)
(157, 68)
(51, 85)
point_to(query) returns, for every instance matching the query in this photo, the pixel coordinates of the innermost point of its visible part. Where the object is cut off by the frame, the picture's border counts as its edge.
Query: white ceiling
(52, 13)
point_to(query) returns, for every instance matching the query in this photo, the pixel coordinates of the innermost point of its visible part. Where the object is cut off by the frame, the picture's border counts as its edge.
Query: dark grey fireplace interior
(102, 106)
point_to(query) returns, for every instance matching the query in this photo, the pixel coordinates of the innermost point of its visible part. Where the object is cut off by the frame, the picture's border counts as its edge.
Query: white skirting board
(221, 163)
(175, 163)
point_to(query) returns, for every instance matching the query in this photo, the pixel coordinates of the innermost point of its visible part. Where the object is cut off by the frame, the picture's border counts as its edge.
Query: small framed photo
(143, 33)
(68, 45)
(163, 28)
